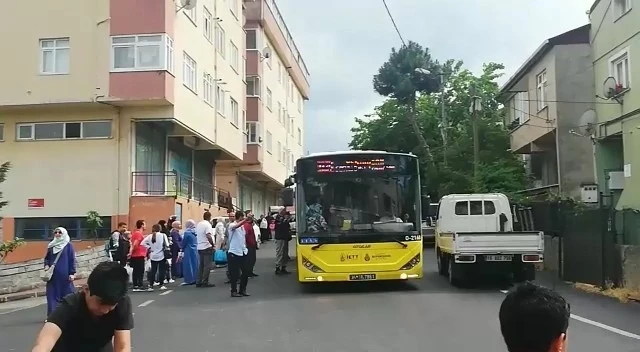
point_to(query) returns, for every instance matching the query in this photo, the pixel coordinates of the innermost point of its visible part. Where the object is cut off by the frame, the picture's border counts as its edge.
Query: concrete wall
(574, 81)
(26, 275)
(630, 263)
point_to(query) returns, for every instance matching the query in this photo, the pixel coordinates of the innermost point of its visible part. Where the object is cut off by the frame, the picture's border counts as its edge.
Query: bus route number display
(345, 166)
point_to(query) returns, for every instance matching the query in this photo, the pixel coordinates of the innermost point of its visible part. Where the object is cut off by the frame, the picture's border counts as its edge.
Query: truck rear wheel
(443, 265)
(524, 272)
(455, 275)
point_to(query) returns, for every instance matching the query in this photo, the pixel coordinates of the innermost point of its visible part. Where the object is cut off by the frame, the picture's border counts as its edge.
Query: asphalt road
(280, 316)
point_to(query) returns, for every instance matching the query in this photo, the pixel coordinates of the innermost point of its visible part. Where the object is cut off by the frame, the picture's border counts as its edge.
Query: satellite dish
(266, 52)
(188, 4)
(609, 87)
(588, 118)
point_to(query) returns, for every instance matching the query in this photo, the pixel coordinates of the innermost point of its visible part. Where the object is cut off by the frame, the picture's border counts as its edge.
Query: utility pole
(443, 114)
(476, 105)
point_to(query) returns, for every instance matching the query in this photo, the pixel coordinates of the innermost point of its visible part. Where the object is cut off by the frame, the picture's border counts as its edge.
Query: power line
(394, 23)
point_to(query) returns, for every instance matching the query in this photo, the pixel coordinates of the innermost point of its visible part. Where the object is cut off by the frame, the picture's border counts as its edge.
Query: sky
(344, 42)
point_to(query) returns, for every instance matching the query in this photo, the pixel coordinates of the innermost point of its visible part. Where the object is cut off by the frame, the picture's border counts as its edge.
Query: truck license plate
(362, 277)
(498, 258)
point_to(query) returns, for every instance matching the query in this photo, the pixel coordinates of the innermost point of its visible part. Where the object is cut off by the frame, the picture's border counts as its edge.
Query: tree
(388, 129)
(94, 221)
(402, 76)
(10, 246)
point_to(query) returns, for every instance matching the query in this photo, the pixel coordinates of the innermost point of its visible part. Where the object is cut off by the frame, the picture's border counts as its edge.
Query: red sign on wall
(35, 203)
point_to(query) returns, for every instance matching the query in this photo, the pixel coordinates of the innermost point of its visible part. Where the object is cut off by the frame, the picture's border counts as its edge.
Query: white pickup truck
(474, 236)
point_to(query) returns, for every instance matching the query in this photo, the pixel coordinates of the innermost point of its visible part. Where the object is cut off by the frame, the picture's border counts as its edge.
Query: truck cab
(474, 235)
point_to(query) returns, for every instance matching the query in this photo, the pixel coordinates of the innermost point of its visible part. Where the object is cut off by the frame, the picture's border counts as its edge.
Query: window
(619, 69)
(541, 90)
(279, 151)
(521, 107)
(42, 228)
(292, 162)
(235, 113)
(299, 102)
(269, 142)
(279, 72)
(1, 132)
(54, 56)
(462, 208)
(284, 158)
(221, 41)
(207, 28)
(475, 207)
(287, 122)
(279, 112)
(620, 8)
(252, 39)
(268, 60)
(141, 53)
(291, 91)
(220, 100)
(63, 130)
(253, 86)
(269, 99)
(207, 88)
(489, 207)
(192, 14)
(235, 56)
(189, 73)
(299, 136)
(253, 133)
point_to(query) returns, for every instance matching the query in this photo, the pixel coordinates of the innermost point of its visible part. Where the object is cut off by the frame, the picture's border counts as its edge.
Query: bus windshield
(352, 204)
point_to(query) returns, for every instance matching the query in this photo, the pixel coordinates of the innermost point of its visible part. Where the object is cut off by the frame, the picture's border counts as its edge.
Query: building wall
(574, 81)
(88, 35)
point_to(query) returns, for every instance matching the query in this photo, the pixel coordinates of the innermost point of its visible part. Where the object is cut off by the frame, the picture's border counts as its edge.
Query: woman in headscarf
(189, 249)
(62, 257)
(176, 240)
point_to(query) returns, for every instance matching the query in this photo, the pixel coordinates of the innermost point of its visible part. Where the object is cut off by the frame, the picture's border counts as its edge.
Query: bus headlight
(310, 266)
(413, 262)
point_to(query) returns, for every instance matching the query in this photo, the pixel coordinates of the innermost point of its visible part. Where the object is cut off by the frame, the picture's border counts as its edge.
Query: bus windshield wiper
(404, 245)
(317, 246)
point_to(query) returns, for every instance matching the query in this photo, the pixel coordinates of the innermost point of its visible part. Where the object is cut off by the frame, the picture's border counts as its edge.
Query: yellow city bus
(358, 216)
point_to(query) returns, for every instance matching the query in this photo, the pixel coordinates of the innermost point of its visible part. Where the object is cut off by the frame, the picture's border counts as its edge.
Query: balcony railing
(169, 183)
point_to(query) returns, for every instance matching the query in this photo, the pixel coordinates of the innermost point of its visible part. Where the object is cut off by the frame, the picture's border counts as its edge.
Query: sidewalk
(36, 292)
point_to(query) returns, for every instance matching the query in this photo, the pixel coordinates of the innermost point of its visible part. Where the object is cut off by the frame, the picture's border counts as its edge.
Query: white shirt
(156, 249)
(264, 224)
(219, 233)
(202, 229)
(237, 240)
(256, 231)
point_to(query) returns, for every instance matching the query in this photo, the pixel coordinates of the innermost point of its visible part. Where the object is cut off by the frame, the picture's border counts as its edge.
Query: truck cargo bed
(498, 242)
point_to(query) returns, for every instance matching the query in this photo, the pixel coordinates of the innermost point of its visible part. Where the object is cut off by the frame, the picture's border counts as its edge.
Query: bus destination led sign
(332, 166)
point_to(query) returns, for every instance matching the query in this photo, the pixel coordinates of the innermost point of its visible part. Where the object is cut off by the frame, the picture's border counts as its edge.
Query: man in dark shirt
(252, 244)
(90, 319)
(283, 236)
(534, 319)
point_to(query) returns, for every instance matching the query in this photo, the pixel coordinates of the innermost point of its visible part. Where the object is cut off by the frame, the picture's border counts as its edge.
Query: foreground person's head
(534, 319)
(106, 287)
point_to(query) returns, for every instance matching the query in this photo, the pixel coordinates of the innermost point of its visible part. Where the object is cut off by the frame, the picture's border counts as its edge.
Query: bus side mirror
(286, 196)
(290, 181)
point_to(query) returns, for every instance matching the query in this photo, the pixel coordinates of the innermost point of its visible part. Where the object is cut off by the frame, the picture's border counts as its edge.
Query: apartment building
(550, 115)
(615, 44)
(133, 109)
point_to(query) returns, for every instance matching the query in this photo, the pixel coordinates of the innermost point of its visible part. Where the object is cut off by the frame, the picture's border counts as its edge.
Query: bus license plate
(362, 277)
(498, 258)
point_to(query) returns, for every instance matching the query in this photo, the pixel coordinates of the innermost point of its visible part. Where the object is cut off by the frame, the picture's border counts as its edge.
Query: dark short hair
(139, 224)
(108, 281)
(247, 212)
(162, 222)
(156, 228)
(122, 223)
(206, 216)
(532, 317)
(239, 214)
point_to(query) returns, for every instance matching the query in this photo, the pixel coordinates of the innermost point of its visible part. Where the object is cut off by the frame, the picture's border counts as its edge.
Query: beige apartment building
(140, 110)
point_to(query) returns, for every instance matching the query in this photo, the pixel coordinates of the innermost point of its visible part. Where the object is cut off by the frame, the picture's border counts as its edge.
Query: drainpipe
(215, 73)
(118, 139)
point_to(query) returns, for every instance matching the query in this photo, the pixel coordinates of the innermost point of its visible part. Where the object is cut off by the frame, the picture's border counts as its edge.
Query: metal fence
(179, 185)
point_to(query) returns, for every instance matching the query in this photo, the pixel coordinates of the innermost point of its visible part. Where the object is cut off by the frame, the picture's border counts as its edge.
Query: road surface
(425, 315)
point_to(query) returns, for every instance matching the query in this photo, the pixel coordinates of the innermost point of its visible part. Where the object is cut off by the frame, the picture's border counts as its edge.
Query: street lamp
(443, 114)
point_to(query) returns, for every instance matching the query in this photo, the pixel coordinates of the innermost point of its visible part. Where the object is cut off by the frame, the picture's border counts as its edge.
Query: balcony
(169, 183)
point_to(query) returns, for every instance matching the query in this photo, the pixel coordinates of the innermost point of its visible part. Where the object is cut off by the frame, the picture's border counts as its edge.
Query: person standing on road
(61, 256)
(114, 242)
(137, 256)
(176, 244)
(206, 247)
(237, 255)
(124, 246)
(264, 228)
(189, 256)
(252, 243)
(283, 236)
(89, 320)
(534, 319)
(157, 243)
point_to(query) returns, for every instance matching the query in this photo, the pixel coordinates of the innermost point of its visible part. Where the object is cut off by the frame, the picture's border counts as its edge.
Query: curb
(18, 296)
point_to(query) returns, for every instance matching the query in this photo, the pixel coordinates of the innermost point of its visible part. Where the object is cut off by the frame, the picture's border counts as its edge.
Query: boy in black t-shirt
(89, 319)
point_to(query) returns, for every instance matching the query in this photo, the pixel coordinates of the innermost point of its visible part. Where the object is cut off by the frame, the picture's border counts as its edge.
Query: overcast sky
(344, 43)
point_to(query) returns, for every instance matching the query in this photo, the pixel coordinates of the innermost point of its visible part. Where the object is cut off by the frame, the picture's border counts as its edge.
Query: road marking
(145, 303)
(601, 325)
(166, 293)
